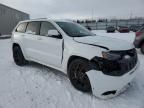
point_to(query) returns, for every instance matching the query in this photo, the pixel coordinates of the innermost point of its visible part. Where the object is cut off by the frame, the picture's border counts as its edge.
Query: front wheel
(77, 75)
(18, 56)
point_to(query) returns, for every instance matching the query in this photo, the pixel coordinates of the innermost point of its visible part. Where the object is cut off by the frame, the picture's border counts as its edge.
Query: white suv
(97, 64)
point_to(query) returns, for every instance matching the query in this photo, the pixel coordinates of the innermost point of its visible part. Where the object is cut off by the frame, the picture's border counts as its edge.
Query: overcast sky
(78, 8)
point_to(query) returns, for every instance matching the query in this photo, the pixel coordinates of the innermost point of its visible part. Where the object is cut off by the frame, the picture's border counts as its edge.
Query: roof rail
(38, 18)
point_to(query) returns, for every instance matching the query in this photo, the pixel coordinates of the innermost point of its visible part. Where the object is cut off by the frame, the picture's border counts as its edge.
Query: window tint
(21, 28)
(33, 28)
(45, 26)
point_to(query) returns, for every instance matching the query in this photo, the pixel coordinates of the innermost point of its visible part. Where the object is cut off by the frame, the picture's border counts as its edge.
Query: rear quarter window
(21, 27)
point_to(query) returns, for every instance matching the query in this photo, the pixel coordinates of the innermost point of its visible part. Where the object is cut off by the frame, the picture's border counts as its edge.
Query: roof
(47, 19)
(13, 9)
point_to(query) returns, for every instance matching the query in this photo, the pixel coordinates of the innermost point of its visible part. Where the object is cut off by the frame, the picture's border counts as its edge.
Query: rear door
(30, 39)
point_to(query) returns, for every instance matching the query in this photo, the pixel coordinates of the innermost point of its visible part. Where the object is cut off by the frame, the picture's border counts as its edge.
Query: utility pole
(92, 14)
(131, 15)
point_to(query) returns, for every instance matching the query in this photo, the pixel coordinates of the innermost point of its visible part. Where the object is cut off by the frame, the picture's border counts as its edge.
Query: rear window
(21, 28)
(33, 28)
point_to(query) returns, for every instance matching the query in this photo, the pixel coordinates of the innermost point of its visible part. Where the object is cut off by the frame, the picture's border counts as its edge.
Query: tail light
(138, 33)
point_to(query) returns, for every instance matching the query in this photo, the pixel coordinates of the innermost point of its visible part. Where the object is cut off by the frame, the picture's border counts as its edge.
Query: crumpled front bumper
(105, 86)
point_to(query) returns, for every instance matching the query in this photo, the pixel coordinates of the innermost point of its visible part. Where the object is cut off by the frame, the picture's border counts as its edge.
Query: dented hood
(104, 41)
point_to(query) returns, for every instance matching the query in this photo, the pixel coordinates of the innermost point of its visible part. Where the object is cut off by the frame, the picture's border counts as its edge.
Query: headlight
(110, 56)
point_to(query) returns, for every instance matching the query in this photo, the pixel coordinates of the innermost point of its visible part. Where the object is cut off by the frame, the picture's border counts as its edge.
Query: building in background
(9, 18)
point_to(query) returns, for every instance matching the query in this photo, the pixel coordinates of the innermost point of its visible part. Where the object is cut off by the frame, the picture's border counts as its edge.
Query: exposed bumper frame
(101, 83)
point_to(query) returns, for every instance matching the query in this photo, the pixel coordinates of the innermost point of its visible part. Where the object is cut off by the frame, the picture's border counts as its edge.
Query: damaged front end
(115, 63)
(110, 73)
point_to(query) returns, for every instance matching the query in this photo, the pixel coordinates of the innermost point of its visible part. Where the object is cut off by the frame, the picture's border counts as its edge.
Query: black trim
(40, 27)
(62, 50)
(92, 44)
(26, 27)
(113, 92)
(98, 46)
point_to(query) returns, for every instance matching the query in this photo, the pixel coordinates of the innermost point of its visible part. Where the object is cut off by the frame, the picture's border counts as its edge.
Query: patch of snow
(38, 86)
(5, 36)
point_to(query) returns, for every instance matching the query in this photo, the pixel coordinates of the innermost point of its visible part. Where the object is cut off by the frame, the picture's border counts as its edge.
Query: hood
(105, 42)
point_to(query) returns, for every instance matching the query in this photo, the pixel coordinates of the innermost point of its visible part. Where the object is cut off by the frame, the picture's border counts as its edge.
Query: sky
(79, 9)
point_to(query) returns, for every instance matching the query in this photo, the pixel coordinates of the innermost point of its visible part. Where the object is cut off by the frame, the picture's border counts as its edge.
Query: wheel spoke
(78, 75)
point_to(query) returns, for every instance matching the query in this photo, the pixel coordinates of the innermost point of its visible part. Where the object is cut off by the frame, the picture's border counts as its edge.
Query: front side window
(33, 28)
(21, 28)
(45, 27)
(74, 30)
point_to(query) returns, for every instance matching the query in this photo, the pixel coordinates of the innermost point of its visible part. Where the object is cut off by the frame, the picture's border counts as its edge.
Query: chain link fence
(115, 23)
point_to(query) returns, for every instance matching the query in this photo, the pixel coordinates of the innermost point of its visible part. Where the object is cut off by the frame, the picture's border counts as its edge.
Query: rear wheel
(142, 48)
(18, 56)
(77, 75)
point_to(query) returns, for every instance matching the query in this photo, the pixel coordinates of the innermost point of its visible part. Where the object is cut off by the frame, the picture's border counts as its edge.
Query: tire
(142, 48)
(18, 56)
(77, 74)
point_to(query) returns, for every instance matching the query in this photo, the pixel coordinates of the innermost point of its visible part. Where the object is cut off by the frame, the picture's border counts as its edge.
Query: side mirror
(54, 34)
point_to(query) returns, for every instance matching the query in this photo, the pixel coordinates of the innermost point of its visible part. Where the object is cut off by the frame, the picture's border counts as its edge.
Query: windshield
(74, 29)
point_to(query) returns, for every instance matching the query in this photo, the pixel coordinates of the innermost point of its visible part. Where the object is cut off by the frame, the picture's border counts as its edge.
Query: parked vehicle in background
(135, 28)
(123, 29)
(94, 63)
(88, 28)
(110, 29)
(139, 39)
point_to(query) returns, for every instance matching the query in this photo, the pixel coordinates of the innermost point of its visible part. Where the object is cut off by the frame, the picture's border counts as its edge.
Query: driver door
(49, 47)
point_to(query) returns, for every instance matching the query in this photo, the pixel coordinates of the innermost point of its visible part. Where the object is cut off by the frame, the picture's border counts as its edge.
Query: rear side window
(45, 26)
(21, 28)
(33, 28)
